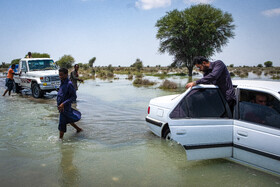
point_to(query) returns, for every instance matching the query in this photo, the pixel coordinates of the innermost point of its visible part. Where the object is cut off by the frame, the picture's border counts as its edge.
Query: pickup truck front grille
(54, 78)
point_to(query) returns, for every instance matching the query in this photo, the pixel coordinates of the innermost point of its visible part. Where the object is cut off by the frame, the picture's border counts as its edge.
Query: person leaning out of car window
(215, 73)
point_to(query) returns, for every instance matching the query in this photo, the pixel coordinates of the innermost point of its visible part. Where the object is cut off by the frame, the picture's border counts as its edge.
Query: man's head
(76, 67)
(13, 66)
(63, 73)
(261, 99)
(201, 63)
(29, 54)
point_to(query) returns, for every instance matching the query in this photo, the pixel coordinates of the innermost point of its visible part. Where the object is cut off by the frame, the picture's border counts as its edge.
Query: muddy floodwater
(115, 149)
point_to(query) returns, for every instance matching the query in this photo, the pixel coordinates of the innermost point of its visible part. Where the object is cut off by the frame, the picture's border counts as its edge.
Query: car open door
(256, 136)
(202, 123)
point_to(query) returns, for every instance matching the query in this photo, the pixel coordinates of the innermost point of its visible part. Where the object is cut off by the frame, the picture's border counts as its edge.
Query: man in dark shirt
(215, 73)
(65, 96)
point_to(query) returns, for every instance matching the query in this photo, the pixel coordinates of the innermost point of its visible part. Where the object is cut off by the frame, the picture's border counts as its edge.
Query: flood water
(115, 149)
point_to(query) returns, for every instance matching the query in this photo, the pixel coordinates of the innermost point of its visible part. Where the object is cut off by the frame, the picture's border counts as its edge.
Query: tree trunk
(190, 71)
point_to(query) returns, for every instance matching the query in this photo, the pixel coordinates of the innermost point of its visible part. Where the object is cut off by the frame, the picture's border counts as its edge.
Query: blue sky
(118, 32)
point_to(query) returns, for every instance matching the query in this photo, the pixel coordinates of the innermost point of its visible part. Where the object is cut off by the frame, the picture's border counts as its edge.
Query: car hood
(165, 101)
(44, 73)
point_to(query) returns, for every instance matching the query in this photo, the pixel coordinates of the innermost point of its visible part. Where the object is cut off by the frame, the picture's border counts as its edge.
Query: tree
(268, 64)
(66, 61)
(15, 61)
(259, 65)
(39, 55)
(138, 64)
(200, 30)
(91, 62)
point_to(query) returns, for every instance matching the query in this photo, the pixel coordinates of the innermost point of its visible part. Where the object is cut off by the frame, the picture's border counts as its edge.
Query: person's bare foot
(79, 130)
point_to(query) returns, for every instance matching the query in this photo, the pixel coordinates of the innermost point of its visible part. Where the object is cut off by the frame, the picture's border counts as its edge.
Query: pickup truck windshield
(37, 65)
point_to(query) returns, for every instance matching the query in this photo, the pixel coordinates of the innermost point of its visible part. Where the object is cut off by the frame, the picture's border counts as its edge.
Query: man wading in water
(74, 77)
(65, 96)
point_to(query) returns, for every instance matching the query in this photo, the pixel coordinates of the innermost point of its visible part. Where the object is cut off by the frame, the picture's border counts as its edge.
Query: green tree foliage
(4, 65)
(15, 61)
(138, 64)
(110, 68)
(268, 64)
(91, 62)
(200, 30)
(259, 65)
(39, 55)
(66, 61)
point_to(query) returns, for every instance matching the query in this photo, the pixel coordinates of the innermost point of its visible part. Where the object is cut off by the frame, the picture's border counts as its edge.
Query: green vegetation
(91, 62)
(66, 61)
(143, 82)
(199, 30)
(138, 65)
(268, 64)
(39, 55)
(168, 85)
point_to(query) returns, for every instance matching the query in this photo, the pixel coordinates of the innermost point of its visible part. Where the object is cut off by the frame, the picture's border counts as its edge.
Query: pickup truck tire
(36, 91)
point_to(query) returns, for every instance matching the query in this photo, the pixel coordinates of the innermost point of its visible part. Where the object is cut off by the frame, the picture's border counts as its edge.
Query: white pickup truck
(38, 74)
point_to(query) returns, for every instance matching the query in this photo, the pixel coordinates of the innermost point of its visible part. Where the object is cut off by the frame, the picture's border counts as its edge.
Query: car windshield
(37, 65)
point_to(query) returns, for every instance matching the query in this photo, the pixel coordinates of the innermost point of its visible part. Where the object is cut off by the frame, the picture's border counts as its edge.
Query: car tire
(36, 91)
(167, 134)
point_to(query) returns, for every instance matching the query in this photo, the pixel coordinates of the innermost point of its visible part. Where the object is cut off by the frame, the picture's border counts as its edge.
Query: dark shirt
(218, 74)
(74, 77)
(66, 94)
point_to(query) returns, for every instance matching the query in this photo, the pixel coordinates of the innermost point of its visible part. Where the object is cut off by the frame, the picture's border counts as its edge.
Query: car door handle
(242, 133)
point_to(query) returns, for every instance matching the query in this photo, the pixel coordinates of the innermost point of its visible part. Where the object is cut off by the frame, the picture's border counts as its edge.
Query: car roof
(260, 84)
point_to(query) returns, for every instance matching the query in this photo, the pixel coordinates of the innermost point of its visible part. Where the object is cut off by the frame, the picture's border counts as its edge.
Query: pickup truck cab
(38, 74)
(200, 120)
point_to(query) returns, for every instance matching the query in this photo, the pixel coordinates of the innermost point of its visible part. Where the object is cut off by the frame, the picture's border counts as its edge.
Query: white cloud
(271, 12)
(150, 4)
(198, 1)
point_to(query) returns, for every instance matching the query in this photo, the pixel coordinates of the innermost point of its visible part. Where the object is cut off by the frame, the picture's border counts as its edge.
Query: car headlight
(47, 79)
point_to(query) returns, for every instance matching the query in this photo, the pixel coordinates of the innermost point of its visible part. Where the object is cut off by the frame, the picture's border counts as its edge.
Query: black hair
(76, 65)
(199, 60)
(63, 70)
(29, 53)
(13, 65)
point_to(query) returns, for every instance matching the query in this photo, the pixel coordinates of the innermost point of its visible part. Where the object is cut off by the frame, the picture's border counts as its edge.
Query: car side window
(200, 103)
(260, 108)
(24, 67)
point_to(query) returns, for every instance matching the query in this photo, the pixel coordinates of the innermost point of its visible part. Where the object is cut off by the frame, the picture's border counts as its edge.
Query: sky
(117, 32)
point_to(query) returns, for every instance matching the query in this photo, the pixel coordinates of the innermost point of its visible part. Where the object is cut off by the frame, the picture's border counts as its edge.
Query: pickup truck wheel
(36, 91)
(167, 134)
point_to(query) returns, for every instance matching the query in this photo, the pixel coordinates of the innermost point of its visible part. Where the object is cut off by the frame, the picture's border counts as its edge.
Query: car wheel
(167, 134)
(36, 91)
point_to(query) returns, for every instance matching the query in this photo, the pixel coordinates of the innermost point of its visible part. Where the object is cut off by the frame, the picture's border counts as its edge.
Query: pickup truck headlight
(47, 79)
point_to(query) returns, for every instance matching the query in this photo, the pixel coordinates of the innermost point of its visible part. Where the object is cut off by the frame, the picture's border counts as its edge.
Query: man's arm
(75, 77)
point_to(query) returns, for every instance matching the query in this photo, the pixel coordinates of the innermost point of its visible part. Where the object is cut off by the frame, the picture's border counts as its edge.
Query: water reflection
(69, 171)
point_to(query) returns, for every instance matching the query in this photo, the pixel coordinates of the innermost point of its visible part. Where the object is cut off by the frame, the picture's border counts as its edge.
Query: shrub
(168, 85)
(143, 82)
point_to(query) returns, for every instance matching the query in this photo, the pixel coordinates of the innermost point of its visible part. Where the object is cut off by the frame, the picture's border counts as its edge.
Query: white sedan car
(201, 121)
